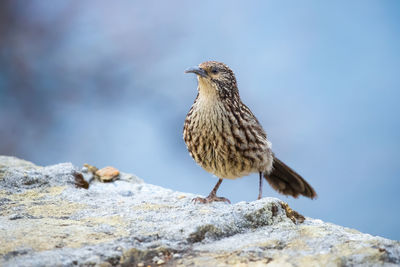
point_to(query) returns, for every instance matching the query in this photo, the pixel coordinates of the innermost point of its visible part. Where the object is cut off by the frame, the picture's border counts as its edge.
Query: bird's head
(215, 79)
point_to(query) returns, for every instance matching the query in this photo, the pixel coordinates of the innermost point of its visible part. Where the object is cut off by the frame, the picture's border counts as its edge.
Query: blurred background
(102, 82)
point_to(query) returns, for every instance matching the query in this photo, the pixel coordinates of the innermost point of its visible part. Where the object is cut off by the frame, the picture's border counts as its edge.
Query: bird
(224, 137)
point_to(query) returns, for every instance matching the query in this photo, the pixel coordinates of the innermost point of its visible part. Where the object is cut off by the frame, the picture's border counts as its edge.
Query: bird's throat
(207, 89)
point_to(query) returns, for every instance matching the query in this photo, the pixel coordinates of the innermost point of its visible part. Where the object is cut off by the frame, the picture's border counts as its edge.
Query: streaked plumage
(225, 138)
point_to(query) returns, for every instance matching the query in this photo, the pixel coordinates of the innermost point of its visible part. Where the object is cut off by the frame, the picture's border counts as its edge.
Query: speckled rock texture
(47, 220)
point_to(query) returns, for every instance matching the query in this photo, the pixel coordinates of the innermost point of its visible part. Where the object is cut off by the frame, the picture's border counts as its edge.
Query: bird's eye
(214, 70)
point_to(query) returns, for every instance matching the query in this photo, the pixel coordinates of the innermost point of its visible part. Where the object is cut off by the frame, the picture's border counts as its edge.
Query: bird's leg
(212, 196)
(260, 187)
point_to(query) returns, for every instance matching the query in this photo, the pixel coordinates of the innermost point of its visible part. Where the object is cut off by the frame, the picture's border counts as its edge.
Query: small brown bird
(226, 139)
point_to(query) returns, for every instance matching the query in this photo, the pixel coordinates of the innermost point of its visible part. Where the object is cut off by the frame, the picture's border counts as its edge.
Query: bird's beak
(198, 71)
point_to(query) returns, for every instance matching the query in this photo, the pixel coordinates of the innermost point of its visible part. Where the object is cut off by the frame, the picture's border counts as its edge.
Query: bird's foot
(209, 199)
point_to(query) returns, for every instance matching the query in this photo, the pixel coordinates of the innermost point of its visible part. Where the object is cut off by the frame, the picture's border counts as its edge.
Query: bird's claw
(210, 199)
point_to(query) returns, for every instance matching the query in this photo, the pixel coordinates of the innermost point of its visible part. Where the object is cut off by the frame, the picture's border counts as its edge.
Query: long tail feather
(286, 181)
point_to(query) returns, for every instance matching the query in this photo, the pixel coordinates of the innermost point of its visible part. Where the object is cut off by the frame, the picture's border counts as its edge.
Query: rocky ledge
(62, 215)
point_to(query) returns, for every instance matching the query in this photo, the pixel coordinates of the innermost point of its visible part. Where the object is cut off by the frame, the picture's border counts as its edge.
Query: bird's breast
(218, 143)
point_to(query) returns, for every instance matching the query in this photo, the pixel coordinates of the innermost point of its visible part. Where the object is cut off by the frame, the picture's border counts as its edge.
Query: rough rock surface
(46, 220)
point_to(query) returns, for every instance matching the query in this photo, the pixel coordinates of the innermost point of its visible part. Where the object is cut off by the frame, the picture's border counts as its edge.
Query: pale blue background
(102, 82)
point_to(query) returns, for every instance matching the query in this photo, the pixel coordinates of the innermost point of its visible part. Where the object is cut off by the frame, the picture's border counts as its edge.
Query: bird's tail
(286, 181)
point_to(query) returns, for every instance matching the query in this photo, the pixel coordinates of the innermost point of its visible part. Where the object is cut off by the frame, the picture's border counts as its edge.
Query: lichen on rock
(46, 219)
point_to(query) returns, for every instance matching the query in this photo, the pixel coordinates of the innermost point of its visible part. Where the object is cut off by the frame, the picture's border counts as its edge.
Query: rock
(107, 174)
(46, 220)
